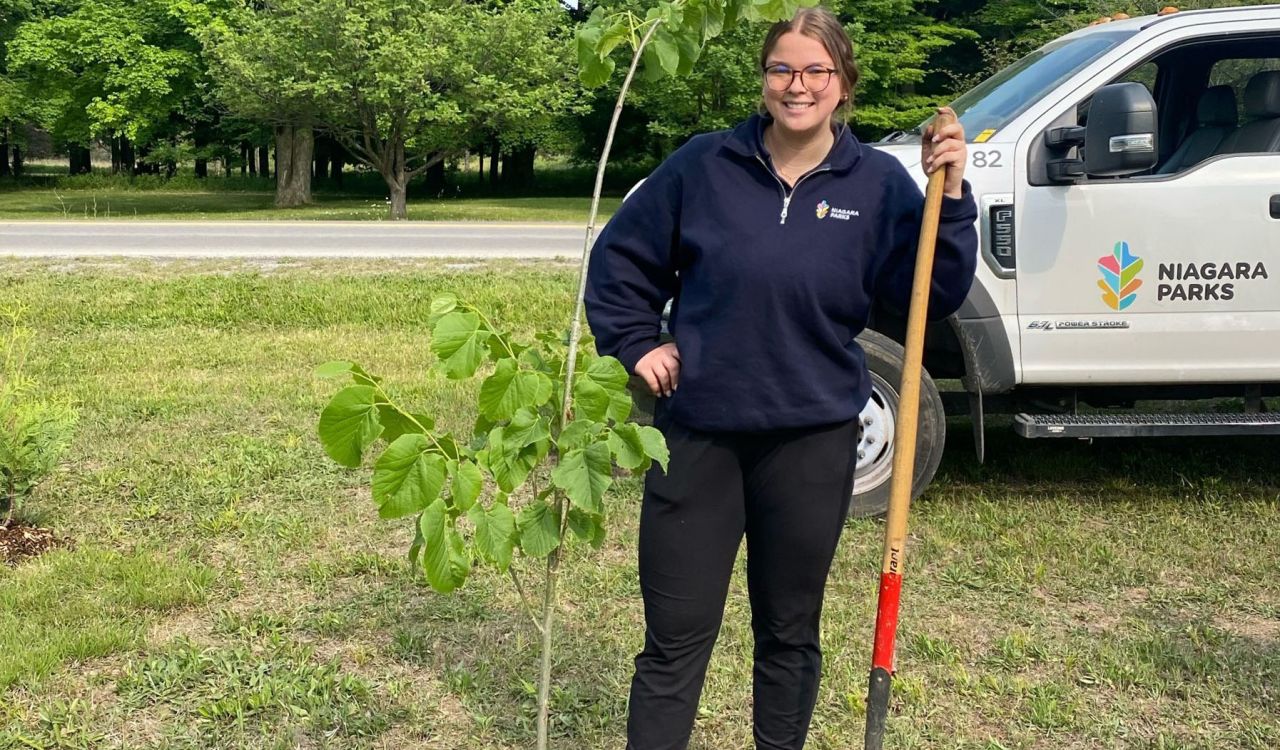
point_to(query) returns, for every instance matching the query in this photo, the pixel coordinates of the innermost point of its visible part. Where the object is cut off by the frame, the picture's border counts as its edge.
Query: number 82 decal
(983, 159)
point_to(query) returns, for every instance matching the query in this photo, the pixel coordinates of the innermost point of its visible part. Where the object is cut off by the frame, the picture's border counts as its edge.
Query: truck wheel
(875, 449)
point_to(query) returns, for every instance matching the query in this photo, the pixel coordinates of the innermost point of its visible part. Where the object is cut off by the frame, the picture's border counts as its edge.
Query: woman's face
(797, 110)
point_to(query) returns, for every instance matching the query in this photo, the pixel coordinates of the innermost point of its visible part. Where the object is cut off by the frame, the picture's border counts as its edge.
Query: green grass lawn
(558, 195)
(231, 587)
(62, 205)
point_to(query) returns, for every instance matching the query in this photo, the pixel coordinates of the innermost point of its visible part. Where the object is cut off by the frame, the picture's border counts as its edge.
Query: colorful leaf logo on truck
(1119, 282)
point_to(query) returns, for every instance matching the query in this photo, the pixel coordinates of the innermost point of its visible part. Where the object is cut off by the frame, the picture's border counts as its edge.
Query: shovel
(904, 456)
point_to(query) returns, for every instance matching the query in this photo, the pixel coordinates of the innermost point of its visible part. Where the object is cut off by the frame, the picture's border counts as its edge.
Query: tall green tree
(115, 68)
(261, 62)
(402, 84)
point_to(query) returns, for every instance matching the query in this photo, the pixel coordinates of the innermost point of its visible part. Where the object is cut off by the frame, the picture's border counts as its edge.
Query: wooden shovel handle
(904, 445)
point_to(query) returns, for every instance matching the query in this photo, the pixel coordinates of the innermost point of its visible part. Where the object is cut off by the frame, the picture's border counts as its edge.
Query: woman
(773, 239)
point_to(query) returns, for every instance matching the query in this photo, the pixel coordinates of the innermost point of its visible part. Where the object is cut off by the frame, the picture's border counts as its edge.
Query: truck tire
(875, 448)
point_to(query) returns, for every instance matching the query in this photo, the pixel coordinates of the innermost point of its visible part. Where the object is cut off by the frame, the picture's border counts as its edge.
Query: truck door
(1154, 278)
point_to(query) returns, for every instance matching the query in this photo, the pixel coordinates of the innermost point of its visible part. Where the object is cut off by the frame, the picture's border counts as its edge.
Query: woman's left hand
(945, 147)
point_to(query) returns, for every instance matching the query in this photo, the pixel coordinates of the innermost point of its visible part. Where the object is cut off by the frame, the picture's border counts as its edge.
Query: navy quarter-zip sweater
(770, 284)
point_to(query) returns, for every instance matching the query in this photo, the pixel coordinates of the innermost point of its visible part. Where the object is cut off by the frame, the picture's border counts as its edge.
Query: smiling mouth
(797, 106)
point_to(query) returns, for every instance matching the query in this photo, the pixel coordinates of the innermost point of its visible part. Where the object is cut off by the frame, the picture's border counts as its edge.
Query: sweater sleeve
(632, 271)
(955, 255)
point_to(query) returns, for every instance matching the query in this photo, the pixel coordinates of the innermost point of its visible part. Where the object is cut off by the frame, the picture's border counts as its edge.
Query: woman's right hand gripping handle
(660, 369)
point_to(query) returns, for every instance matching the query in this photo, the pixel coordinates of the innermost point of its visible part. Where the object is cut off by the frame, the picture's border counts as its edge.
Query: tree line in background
(299, 89)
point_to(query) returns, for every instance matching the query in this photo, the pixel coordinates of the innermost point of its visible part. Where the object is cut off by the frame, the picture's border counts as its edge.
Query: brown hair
(821, 24)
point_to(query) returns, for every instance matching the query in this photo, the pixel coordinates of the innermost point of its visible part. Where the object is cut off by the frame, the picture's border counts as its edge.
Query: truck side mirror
(1120, 137)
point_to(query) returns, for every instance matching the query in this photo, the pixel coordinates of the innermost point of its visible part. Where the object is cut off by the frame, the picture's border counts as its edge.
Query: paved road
(299, 239)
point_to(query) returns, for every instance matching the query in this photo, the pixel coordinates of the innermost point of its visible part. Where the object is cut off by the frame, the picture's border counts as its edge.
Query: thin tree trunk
(294, 146)
(264, 161)
(398, 185)
(481, 155)
(5, 171)
(246, 162)
(493, 163)
(544, 681)
(18, 166)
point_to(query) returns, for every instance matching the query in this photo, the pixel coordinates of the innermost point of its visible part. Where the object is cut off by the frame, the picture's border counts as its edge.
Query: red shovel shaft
(904, 455)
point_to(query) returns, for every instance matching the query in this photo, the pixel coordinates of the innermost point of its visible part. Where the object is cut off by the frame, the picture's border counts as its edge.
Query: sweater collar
(747, 139)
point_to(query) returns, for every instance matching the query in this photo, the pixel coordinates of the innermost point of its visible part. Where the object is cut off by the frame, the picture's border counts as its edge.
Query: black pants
(788, 491)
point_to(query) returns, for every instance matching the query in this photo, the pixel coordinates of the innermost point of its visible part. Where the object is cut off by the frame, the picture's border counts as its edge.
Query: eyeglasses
(815, 78)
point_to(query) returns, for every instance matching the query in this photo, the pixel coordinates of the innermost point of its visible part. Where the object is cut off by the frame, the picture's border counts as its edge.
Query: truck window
(1237, 72)
(994, 103)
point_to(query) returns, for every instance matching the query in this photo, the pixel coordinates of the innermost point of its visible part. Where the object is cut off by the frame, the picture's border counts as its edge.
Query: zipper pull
(786, 202)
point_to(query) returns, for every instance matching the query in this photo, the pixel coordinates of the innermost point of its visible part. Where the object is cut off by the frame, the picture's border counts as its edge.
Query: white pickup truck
(1128, 184)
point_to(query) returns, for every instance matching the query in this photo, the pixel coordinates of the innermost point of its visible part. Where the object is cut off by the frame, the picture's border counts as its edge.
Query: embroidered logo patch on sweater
(825, 209)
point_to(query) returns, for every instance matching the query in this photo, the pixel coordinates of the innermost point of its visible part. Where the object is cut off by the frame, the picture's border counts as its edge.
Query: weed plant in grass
(1119, 595)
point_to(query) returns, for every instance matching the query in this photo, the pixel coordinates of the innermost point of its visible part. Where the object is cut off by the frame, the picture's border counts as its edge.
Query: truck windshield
(995, 102)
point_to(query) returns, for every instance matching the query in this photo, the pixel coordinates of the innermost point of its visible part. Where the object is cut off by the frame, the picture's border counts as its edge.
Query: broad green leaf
(577, 434)
(510, 388)
(616, 34)
(689, 44)
(407, 477)
(495, 533)
(509, 463)
(590, 400)
(627, 448)
(714, 20)
(395, 424)
(526, 428)
(667, 49)
(349, 424)
(588, 527)
(655, 445)
(334, 369)
(585, 474)
(459, 559)
(601, 391)
(440, 307)
(339, 368)
(595, 72)
(460, 343)
(468, 482)
(652, 70)
(672, 15)
(539, 529)
(436, 554)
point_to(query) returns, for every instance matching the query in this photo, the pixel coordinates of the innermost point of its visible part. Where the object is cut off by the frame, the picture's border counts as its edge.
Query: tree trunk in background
(246, 160)
(481, 155)
(17, 161)
(517, 167)
(202, 167)
(79, 159)
(128, 157)
(319, 160)
(121, 155)
(335, 171)
(264, 161)
(494, 155)
(434, 178)
(398, 184)
(295, 145)
(5, 171)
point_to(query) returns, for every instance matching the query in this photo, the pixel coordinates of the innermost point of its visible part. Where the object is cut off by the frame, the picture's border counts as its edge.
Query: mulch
(20, 541)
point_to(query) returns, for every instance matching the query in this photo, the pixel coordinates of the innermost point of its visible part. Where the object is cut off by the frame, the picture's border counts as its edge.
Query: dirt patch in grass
(20, 541)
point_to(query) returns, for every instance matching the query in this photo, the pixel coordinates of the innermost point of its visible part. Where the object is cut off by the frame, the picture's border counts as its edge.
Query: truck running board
(1144, 425)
